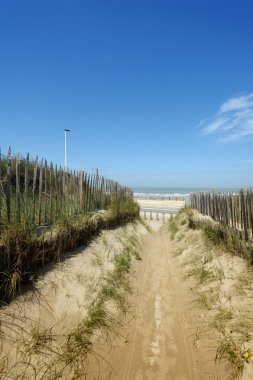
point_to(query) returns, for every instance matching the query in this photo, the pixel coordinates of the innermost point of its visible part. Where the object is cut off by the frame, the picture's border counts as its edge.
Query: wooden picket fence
(235, 210)
(34, 192)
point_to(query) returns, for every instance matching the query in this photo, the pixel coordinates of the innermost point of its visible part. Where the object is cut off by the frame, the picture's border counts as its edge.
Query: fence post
(40, 189)
(18, 187)
(45, 195)
(81, 183)
(61, 188)
(8, 186)
(51, 193)
(87, 184)
(244, 216)
(26, 189)
(34, 187)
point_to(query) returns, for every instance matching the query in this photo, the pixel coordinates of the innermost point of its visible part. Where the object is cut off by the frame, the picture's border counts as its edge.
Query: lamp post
(65, 131)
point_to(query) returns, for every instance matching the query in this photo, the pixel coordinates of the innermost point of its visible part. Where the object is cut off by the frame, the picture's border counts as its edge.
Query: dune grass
(23, 251)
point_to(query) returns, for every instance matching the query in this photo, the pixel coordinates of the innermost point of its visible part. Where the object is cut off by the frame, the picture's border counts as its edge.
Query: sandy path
(157, 343)
(159, 339)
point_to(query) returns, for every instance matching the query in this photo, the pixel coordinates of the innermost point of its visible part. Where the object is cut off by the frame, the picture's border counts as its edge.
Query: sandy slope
(35, 324)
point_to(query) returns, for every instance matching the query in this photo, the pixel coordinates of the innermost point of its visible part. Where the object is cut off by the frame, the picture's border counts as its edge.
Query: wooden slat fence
(34, 192)
(235, 210)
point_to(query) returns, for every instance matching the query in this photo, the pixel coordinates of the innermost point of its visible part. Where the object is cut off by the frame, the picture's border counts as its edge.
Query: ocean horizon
(167, 192)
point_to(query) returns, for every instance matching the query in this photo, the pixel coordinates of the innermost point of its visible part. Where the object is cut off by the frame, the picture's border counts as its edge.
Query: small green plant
(199, 272)
(177, 252)
(173, 227)
(218, 272)
(38, 339)
(243, 283)
(206, 299)
(180, 237)
(186, 211)
(229, 351)
(221, 319)
(135, 246)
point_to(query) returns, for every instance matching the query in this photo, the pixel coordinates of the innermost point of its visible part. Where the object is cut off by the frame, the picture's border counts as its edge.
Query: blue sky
(155, 92)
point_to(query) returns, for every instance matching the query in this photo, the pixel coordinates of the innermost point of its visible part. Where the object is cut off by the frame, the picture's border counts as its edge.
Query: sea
(174, 192)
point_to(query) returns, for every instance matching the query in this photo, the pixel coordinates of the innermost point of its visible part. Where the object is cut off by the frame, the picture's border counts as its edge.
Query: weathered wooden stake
(51, 194)
(34, 188)
(26, 189)
(40, 190)
(8, 186)
(18, 187)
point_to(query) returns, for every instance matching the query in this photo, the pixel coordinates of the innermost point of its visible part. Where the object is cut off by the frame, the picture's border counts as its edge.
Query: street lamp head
(67, 130)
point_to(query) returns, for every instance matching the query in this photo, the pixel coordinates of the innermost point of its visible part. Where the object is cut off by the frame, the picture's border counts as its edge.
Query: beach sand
(159, 203)
(159, 209)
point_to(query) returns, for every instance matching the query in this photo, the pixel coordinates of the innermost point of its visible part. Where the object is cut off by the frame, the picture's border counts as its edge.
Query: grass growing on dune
(223, 236)
(46, 356)
(23, 252)
(100, 317)
(216, 287)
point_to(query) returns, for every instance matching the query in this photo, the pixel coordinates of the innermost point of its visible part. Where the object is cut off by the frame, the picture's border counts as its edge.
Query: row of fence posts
(37, 193)
(156, 215)
(235, 210)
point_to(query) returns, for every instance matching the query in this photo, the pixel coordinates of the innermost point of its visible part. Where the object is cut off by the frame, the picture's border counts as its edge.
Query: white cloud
(233, 122)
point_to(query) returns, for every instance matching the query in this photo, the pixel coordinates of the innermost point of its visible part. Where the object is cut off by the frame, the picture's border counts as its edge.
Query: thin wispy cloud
(233, 121)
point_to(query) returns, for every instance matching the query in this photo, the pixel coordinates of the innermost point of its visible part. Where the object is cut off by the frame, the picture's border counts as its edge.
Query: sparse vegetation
(114, 289)
(39, 338)
(216, 287)
(230, 351)
(224, 237)
(46, 355)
